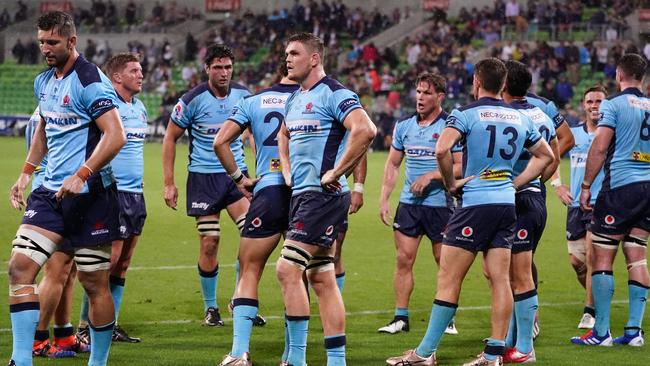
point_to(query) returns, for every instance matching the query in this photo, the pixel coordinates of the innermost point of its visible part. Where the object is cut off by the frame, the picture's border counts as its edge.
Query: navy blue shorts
(316, 217)
(133, 212)
(577, 223)
(269, 212)
(619, 210)
(208, 194)
(86, 220)
(418, 220)
(531, 220)
(483, 227)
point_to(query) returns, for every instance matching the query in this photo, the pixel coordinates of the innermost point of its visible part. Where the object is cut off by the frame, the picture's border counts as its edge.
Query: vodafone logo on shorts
(522, 234)
(257, 222)
(329, 230)
(467, 231)
(609, 219)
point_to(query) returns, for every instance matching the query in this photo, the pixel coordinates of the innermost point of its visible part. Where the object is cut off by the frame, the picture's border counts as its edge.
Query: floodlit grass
(162, 303)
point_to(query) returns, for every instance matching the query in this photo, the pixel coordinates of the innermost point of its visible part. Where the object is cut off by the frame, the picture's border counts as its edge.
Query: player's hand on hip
(420, 185)
(456, 189)
(564, 194)
(585, 197)
(71, 187)
(330, 182)
(356, 202)
(287, 179)
(384, 213)
(16, 193)
(170, 194)
(246, 187)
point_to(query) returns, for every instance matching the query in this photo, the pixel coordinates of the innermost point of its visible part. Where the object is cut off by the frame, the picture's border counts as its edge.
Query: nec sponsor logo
(201, 205)
(536, 115)
(635, 102)
(273, 101)
(30, 213)
(495, 115)
(303, 126)
(347, 104)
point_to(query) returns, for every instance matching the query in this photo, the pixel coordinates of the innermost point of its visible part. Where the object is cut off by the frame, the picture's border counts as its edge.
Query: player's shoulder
(576, 124)
(237, 86)
(87, 72)
(537, 98)
(329, 85)
(484, 102)
(627, 92)
(238, 90)
(44, 75)
(193, 93)
(275, 89)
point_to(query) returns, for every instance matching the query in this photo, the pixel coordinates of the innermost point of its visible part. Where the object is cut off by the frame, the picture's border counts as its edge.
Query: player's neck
(591, 125)
(314, 77)
(630, 84)
(124, 94)
(482, 93)
(285, 80)
(60, 72)
(425, 120)
(218, 92)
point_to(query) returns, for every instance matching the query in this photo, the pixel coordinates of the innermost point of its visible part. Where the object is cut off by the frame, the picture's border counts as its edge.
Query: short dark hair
(436, 81)
(61, 21)
(218, 51)
(118, 62)
(492, 74)
(633, 66)
(597, 89)
(312, 41)
(519, 78)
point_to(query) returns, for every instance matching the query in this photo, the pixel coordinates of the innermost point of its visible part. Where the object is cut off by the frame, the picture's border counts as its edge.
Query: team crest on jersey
(275, 165)
(467, 231)
(257, 222)
(494, 174)
(178, 111)
(435, 136)
(308, 108)
(66, 100)
(522, 234)
(329, 230)
(609, 219)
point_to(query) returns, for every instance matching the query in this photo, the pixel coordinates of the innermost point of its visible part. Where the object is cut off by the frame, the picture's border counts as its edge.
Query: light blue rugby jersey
(69, 106)
(30, 129)
(419, 146)
(578, 155)
(628, 156)
(263, 113)
(314, 119)
(544, 125)
(202, 113)
(494, 135)
(128, 165)
(547, 107)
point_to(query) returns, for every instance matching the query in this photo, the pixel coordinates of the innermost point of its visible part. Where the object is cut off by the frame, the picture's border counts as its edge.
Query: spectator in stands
(21, 13)
(563, 92)
(18, 51)
(511, 10)
(5, 19)
(130, 14)
(33, 52)
(91, 49)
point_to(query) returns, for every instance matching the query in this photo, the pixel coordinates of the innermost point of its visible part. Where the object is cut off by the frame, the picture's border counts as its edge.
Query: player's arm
(112, 140)
(361, 133)
(449, 137)
(283, 150)
(391, 171)
(422, 182)
(359, 176)
(561, 190)
(247, 136)
(172, 134)
(565, 138)
(551, 168)
(542, 157)
(595, 160)
(221, 146)
(37, 150)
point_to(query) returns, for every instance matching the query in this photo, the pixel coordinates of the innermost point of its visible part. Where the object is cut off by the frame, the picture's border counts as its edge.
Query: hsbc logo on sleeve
(273, 101)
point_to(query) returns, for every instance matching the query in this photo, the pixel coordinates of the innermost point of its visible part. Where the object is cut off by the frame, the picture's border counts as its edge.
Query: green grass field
(163, 305)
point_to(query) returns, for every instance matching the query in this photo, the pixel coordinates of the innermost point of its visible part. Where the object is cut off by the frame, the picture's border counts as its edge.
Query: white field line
(356, 313)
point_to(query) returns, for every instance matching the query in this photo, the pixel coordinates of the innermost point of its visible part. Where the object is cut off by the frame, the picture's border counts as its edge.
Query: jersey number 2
(272, 139)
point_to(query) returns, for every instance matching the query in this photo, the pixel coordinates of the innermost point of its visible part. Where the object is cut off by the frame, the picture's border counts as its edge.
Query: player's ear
(72, 42)
(315, 59)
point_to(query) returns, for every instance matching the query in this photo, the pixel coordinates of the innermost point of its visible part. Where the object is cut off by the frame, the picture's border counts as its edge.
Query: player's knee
(604, 241)
(319, 264)
(578, 252)
(579, 266)
(93, 259)
(120, 266)
(209, 228)
(643, 263)
(291, 258)
(405, 260)
(22, 290)
(32, 245)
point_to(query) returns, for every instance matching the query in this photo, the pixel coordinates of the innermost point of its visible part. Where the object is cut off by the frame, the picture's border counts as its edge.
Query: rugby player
(577, 224)
(267, 217)
(202, 111)
(125, 73)
(80, 130)
(493, 136)
(325, 134)
(530, 205)
(622, 209)
(424, 206)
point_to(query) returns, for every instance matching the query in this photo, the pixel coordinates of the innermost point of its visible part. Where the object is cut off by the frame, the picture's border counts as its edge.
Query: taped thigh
(633, 241)
(208, 227)
(34, 245)
(577, 249)
(240, 221)
(320, 264)
(604, 242)
(641, 263)
(93, 259)
(295, 256)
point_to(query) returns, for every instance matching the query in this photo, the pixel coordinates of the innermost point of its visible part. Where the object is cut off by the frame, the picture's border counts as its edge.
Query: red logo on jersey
(257, 222)
(329, 230)
(467, 231)
(522, 234)
(299, 225)
(309, 106)
(436, 136)
(98, 225)
(609, 219)
(66, 100)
